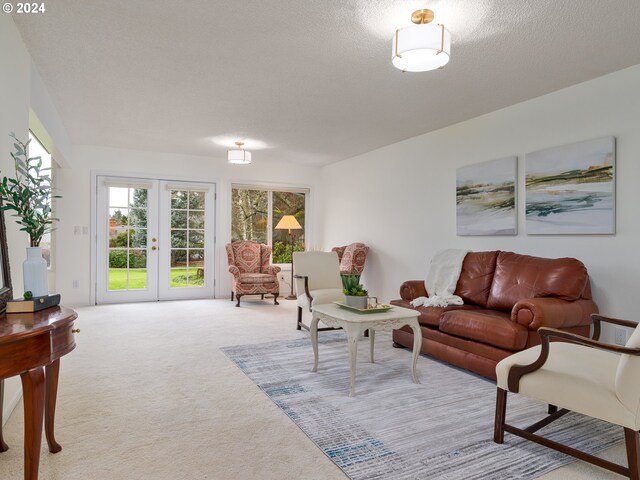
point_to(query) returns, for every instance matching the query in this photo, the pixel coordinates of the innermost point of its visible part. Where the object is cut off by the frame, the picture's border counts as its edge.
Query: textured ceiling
(306, 81)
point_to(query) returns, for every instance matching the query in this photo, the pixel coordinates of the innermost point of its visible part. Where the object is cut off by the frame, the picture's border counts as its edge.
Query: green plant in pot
(28, 194)
(355, 295)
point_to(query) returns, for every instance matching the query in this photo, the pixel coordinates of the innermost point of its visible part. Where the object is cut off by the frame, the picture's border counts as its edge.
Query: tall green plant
(28, 194)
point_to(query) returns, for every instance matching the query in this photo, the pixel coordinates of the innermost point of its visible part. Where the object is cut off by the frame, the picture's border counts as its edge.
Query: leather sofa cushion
(487, 326)
(521, 276)
(431, 315)
(476, 277)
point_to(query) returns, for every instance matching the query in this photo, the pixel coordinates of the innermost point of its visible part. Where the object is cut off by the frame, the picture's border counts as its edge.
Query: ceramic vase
(34, 270)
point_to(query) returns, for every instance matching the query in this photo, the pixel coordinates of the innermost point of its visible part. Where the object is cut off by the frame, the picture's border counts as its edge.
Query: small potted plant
(29, 195)
(355, 295)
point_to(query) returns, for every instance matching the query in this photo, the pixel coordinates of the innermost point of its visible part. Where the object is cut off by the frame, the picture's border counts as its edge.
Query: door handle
(154, 248)
(153, 239)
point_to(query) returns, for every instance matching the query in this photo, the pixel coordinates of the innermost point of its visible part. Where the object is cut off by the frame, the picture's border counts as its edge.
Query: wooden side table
(31, 345)
(355, 325)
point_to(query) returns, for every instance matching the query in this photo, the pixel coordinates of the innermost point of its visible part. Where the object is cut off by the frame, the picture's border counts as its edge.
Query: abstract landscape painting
(571, 189)
(486, 198)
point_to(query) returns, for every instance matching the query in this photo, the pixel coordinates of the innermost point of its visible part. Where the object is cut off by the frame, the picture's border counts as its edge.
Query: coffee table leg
(353, 354)
(417, 343)
(313, 330)
(372, 337)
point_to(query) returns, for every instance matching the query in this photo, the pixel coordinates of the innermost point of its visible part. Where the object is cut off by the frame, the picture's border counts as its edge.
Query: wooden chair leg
(232, 295)
(501, 411)
(633, 453)
(262, 296)
(275, 298)
(238, 297)
(299, 321)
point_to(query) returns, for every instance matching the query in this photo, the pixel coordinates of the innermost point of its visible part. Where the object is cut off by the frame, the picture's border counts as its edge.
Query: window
(36, 149)
(255, 211)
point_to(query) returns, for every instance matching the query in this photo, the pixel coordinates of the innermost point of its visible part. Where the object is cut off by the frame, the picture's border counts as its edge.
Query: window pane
(196, 219)
(196, 200)
(178, 239)
(178, 219)
(34, 150)
(287, 203)
(249, 215)
(196, 239)
(138, 238)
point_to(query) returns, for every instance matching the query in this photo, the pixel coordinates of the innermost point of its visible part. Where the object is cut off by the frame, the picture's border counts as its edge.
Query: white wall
(400, 199)
(14, 117)
(25, 103)
(75, 208)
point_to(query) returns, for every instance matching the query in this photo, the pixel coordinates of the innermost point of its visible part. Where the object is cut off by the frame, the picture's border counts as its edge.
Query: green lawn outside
(138, 278)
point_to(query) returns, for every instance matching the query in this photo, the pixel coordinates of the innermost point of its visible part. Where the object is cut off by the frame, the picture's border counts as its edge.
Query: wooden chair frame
(518, 371)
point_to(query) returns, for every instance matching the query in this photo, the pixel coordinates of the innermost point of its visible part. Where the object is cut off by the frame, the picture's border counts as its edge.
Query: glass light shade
(418, 47)
(239, 156)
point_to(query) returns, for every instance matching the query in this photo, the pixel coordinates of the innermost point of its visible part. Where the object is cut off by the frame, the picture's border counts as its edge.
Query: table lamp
(289, 222)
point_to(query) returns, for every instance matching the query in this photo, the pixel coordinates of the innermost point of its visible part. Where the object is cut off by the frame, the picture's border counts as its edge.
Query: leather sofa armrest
(233, 270)
(412, 289)
(271, 269)
(534, 313)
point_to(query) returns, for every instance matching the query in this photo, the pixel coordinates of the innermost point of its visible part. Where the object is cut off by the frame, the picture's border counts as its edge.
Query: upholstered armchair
(585, 376)
(352, 258)
(317, 280)
(249, 263)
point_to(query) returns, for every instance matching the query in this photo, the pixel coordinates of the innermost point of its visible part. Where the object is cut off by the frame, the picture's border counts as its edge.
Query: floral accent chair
(352, 258)
(253, 274)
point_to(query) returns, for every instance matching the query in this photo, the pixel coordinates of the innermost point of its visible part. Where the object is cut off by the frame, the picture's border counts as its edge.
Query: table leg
(372, 337)
(33, 399)
(3, 446)
(417, 343)
(353, 337)
(313, 330)
(51, 392)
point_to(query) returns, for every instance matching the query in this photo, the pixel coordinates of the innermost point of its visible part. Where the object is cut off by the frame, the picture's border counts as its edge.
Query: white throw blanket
(442, 279)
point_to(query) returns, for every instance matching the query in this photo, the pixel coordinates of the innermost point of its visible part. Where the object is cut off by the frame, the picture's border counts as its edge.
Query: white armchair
(317, 280)
(587, 376)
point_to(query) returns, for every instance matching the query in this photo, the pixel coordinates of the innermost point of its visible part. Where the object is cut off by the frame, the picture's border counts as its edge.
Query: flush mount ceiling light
(421, 47)
(239, 155)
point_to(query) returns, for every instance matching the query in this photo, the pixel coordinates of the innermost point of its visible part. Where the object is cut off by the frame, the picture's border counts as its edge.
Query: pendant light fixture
(239, 155)
(423, 46)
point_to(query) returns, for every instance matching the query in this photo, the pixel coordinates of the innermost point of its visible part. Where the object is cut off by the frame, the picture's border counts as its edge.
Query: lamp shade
(422, 47)
(239, 156)
(288, 222)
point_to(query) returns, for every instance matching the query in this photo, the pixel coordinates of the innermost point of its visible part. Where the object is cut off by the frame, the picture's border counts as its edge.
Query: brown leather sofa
(507, 297)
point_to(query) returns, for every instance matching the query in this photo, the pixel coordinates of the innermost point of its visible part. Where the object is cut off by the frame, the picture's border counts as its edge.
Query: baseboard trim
(10, 405)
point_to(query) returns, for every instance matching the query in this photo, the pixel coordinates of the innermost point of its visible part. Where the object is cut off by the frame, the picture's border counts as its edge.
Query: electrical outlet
(621, 336)
(76, 284)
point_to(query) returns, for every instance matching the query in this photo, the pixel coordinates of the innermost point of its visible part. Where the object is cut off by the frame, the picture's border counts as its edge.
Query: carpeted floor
(148, 394)
(395, 429)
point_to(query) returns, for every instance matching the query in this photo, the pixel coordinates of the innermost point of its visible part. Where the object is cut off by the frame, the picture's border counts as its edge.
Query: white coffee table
(355, 324)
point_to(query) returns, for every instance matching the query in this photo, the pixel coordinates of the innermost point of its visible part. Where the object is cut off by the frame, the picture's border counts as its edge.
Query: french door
(155, 240)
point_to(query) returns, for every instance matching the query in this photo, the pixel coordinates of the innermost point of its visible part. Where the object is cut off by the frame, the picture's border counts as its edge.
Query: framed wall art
(486, 198)
(571, 189)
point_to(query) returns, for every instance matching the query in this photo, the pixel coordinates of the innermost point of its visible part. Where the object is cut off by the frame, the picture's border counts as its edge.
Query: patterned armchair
(249, 263)
(352, 258)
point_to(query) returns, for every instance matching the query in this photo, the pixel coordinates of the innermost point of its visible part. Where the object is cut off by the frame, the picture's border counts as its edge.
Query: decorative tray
(381, 307)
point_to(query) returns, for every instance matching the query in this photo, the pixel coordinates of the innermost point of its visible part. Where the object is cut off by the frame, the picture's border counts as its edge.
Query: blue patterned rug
(395, 429)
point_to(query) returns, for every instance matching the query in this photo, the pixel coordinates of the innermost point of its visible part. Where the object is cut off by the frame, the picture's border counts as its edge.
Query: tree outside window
(255, 213)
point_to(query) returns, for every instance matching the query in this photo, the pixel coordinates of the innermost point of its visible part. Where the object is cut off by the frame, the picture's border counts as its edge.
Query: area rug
(395, 429)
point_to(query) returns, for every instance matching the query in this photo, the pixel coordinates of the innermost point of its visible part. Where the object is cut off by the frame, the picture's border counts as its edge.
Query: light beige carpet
(147, 394)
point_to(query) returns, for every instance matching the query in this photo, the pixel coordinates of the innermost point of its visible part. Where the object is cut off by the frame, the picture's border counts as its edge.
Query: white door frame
(215, 181)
